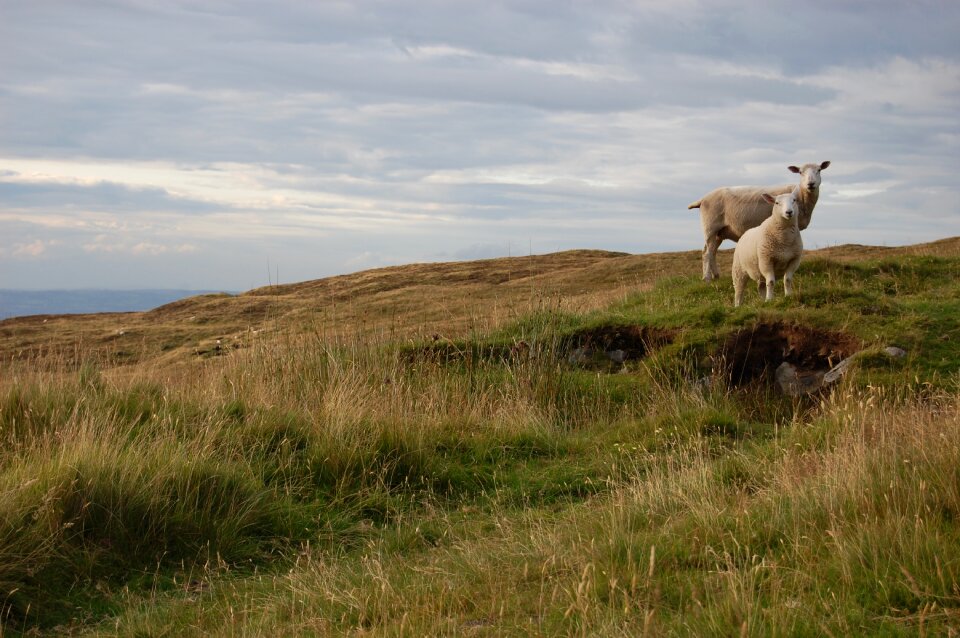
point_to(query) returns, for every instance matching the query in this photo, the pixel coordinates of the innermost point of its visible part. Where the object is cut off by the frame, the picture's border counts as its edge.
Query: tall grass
(489, 486)
(855, 536)
(297, 439)
(91, 494)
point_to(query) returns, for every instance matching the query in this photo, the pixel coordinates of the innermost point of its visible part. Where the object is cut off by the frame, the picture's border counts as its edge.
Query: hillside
(582, 443)
(451, 299)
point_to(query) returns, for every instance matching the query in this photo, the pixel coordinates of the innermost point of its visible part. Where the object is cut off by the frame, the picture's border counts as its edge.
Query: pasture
(582, 443)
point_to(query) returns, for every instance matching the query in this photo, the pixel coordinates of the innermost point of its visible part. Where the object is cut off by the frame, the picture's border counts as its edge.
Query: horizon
(21, 302)
(27, 303)
(169, 147)
(725, 247)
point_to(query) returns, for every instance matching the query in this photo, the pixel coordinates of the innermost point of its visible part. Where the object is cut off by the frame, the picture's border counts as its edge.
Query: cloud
(114, 245)
(35, 248)
(478, 251)
(100, 195)
(343, 135)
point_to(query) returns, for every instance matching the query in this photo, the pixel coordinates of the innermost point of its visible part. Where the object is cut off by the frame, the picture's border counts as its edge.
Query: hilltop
(414, 301)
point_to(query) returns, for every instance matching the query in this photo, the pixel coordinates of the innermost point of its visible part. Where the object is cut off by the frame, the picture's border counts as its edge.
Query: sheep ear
(824, 165)
(768, 198)
(793, 169)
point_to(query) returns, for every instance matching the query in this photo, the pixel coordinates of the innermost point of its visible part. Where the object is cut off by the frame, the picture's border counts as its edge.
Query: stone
(794, 383)
(837, 371)
(617, 356)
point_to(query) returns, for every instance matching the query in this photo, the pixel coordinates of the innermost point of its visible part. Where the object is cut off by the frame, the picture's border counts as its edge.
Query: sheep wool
(728, 212)
(770, 250)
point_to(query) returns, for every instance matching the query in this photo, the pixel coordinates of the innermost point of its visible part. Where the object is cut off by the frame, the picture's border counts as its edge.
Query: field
(583, 443)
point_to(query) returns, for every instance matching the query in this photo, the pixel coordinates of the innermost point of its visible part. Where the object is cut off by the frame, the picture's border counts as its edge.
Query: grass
(335, 482)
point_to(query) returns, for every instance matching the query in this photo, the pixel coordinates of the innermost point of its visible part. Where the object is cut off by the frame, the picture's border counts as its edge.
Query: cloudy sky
(159, 143)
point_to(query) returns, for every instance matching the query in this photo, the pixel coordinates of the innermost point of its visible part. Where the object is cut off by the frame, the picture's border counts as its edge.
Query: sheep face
(809, 175)
(785, 205)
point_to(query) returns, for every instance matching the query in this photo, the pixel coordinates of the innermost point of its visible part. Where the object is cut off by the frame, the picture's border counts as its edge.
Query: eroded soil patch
(630, 342)
(607, 344)
(755, 352)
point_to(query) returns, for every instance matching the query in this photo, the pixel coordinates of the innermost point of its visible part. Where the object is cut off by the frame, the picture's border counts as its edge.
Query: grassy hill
(578, 443)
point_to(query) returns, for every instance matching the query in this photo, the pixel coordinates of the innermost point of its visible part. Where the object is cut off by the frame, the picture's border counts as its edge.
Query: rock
(579, 356)
(617, 356)
(895, 352)
(837, 371)
(795, 383)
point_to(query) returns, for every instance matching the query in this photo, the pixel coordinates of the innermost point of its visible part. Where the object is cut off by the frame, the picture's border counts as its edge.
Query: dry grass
(450, 299)
(332, 477)
(672, 550)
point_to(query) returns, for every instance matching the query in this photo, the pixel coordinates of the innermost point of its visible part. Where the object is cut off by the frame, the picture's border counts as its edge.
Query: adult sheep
(728, 212)
(770, 250)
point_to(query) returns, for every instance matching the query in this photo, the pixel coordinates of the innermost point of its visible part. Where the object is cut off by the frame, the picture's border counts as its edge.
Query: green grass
(496, 485)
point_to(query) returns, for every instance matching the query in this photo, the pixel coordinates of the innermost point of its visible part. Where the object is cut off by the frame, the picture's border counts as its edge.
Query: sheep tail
(695, 204)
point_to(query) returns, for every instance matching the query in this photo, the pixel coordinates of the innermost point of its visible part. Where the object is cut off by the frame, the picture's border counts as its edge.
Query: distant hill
(19, 303)
(414, 301)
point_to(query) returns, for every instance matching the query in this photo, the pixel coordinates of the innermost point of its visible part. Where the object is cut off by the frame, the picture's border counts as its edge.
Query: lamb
(728, 212)
(770, 250)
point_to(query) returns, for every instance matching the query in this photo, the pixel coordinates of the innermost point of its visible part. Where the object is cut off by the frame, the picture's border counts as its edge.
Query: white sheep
(770, 250)
(728, 212)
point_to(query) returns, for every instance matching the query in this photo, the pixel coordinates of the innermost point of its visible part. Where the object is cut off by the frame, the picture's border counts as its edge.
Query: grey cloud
(872, 173)
(487, 133)
(799, 38)
(100, 196)
(261, 50)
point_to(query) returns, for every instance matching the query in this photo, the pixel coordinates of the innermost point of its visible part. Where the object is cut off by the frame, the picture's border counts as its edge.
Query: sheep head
(784, 205)
(809, 175)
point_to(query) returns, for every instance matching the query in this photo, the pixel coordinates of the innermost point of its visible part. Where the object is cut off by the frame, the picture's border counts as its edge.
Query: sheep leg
(766, 283)
(788, 277)
(710, 269)
(768, 277)
(771, 283)
(739, 282)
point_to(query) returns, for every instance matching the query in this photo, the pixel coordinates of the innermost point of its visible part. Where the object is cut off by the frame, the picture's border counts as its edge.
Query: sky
(232, 144)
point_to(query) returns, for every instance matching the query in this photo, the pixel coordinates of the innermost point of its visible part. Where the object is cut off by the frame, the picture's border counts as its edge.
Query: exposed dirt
(596, 345)
(755, 352)
(634, 342)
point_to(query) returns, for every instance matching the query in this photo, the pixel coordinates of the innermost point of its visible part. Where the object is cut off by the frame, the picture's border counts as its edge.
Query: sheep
(770, 250)
(727, 212)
